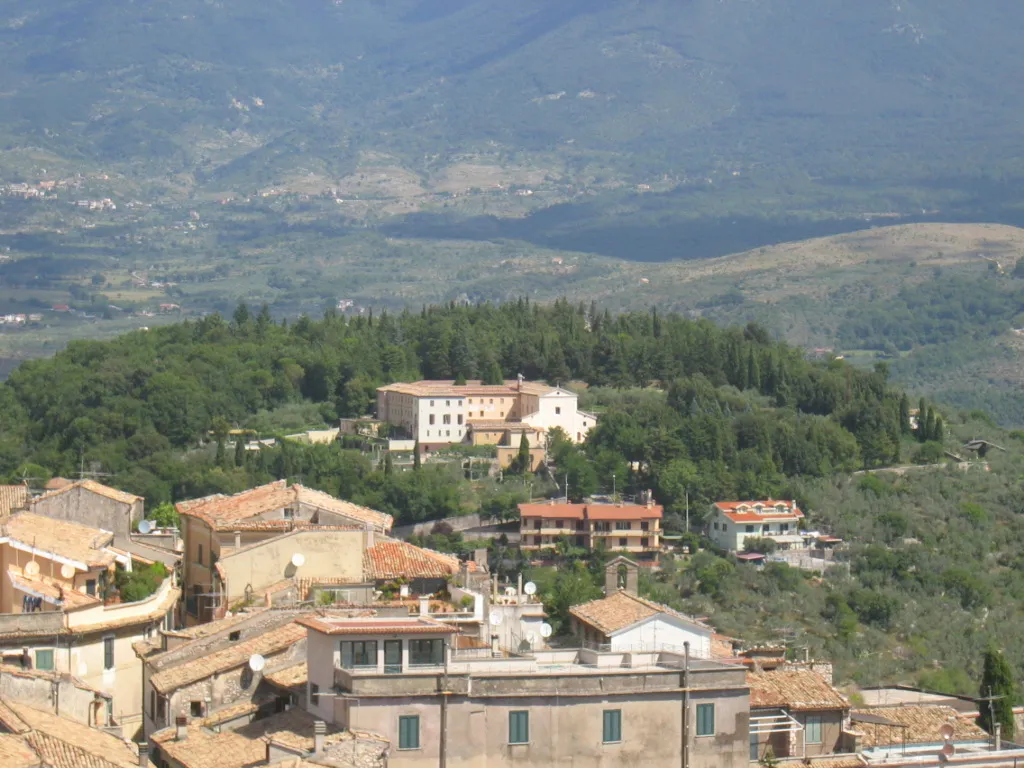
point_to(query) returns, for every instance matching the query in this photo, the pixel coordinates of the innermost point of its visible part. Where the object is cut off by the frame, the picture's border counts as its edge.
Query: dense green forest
(734, 412)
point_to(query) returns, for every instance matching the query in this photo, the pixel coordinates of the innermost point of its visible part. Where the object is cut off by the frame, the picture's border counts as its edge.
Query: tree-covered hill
(132, 403)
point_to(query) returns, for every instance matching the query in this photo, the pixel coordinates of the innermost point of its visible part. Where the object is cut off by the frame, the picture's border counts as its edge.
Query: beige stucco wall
(563, 731)
(336, 554)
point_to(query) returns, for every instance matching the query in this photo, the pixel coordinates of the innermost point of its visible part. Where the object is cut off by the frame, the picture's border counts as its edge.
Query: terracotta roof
(592, 511)
(57, 482)
(746, 511)
(230, 513)
(793, 689)
(193, 670)
(372, 626)
(246, 745)
(61, 537)
(58, 594)
(235, 711)
(390, 559)
(289, 676)
(472, 388)
(553, 511)
(16, 753)
(623, 609)
(838, 761)
(64, 743)
(12, 497)
(624, 512)
(94, 487)
(209, 628)
(924, 723)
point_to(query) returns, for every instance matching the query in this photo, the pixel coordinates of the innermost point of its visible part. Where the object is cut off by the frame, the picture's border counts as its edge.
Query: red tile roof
(93, 487)
(746, 511)
(230, 513)
(624, 609)
(346, 626)
(390, 559)
(12, 497)
(793, 689)
(592, 511)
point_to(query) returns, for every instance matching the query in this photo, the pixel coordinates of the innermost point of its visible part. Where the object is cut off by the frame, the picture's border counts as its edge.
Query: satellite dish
(257, 662)
(545, 630)
(298, 559)
(948, 749)
(510, 591)
(67, 571)
(946, 731)
(530, 588)
(495, 618)
(145, 526)
(32, 568)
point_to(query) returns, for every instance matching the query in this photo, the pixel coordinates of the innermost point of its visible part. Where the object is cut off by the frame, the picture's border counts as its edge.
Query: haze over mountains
(404, 151)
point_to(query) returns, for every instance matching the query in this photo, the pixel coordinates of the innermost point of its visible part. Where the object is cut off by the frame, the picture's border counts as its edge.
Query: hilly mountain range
(393, 152)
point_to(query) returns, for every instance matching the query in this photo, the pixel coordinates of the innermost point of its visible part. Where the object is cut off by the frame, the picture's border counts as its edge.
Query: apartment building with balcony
(732, 522)
(442, 413)
(632, 528)
(405, 680)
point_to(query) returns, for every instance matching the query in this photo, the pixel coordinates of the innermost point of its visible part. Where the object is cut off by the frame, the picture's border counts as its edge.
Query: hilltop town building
(731, 523)
(442, 413)
(632, 528)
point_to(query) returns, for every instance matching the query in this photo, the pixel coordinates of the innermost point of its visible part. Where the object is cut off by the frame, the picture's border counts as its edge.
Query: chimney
(999, 737)
(144, 755)
(238, 539)
(369, 535)
(495, 647)
(180, 728)
(519, 590)
(464, 574)
(319, 736)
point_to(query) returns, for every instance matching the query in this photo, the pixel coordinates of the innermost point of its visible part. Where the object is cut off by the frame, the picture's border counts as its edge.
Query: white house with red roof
(733, 522)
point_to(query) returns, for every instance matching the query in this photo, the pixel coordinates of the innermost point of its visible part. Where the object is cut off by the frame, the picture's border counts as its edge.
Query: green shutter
(409, 732)
(612, 725)
(705, 719)
(518, 727)
(44, 660)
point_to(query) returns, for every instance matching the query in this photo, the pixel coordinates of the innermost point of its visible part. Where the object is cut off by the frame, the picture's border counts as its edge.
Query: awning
(34, 589)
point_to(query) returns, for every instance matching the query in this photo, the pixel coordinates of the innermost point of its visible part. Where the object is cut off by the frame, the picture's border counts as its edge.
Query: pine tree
(997, 684)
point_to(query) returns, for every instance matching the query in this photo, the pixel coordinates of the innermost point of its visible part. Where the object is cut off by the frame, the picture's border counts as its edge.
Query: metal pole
(687, 510)
(613, 486)
(686, 704)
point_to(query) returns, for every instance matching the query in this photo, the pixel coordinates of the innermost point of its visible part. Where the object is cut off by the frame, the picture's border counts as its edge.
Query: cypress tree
(929, 426)
(997, 681)
(240, 451)
(389, 465)
(221, 452)
(416, 461)
(904, 414)
(940, 430)
(522, 462)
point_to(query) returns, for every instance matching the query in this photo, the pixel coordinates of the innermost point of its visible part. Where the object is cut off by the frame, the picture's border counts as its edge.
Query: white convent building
(440, 413)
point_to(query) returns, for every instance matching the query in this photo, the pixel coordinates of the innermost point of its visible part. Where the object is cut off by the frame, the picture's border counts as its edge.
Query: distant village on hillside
(285, 626)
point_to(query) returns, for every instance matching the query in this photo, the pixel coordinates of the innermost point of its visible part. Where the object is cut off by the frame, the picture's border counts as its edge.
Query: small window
(409, 732)
(645, 526)
(491, 402)
(108, 652)
(612, 726)
(644, 543)
(536, 525)
(481, 414)
(90, 587)
(236, 635)
(716, 526)
(623, 542)
(705, 719)
(471, 401)
(558, 411)
(537, 540)
(558, 523)
(199, 554)
(288, 513)
(431, 418)
(812, 729)
(784, 527)
(459, 417)
(448, 403)
(750, 529)
(196, 709)
(765, 528)
(519, 727)
(621, 525)
(447, 433)
(314, 694)
(431, 403)
(44, 660)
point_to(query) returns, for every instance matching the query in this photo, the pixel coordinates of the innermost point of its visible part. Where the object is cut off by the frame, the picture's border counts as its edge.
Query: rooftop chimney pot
(143, 755)
(180, 728)
(319, 736)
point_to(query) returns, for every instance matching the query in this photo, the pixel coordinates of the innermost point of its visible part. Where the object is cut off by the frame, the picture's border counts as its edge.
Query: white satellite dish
(298, 559)
(31, 568)
(495, 618)
(530, 588)
(67, 571)
(510, 591)
(257, 662)
(946, 731)
(545, 630)
(146, 526)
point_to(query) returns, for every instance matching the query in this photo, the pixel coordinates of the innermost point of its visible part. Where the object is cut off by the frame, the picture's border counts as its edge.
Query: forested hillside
(132, 403)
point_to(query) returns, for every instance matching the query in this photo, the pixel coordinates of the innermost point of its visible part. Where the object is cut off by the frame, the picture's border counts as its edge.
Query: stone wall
(85, 507)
